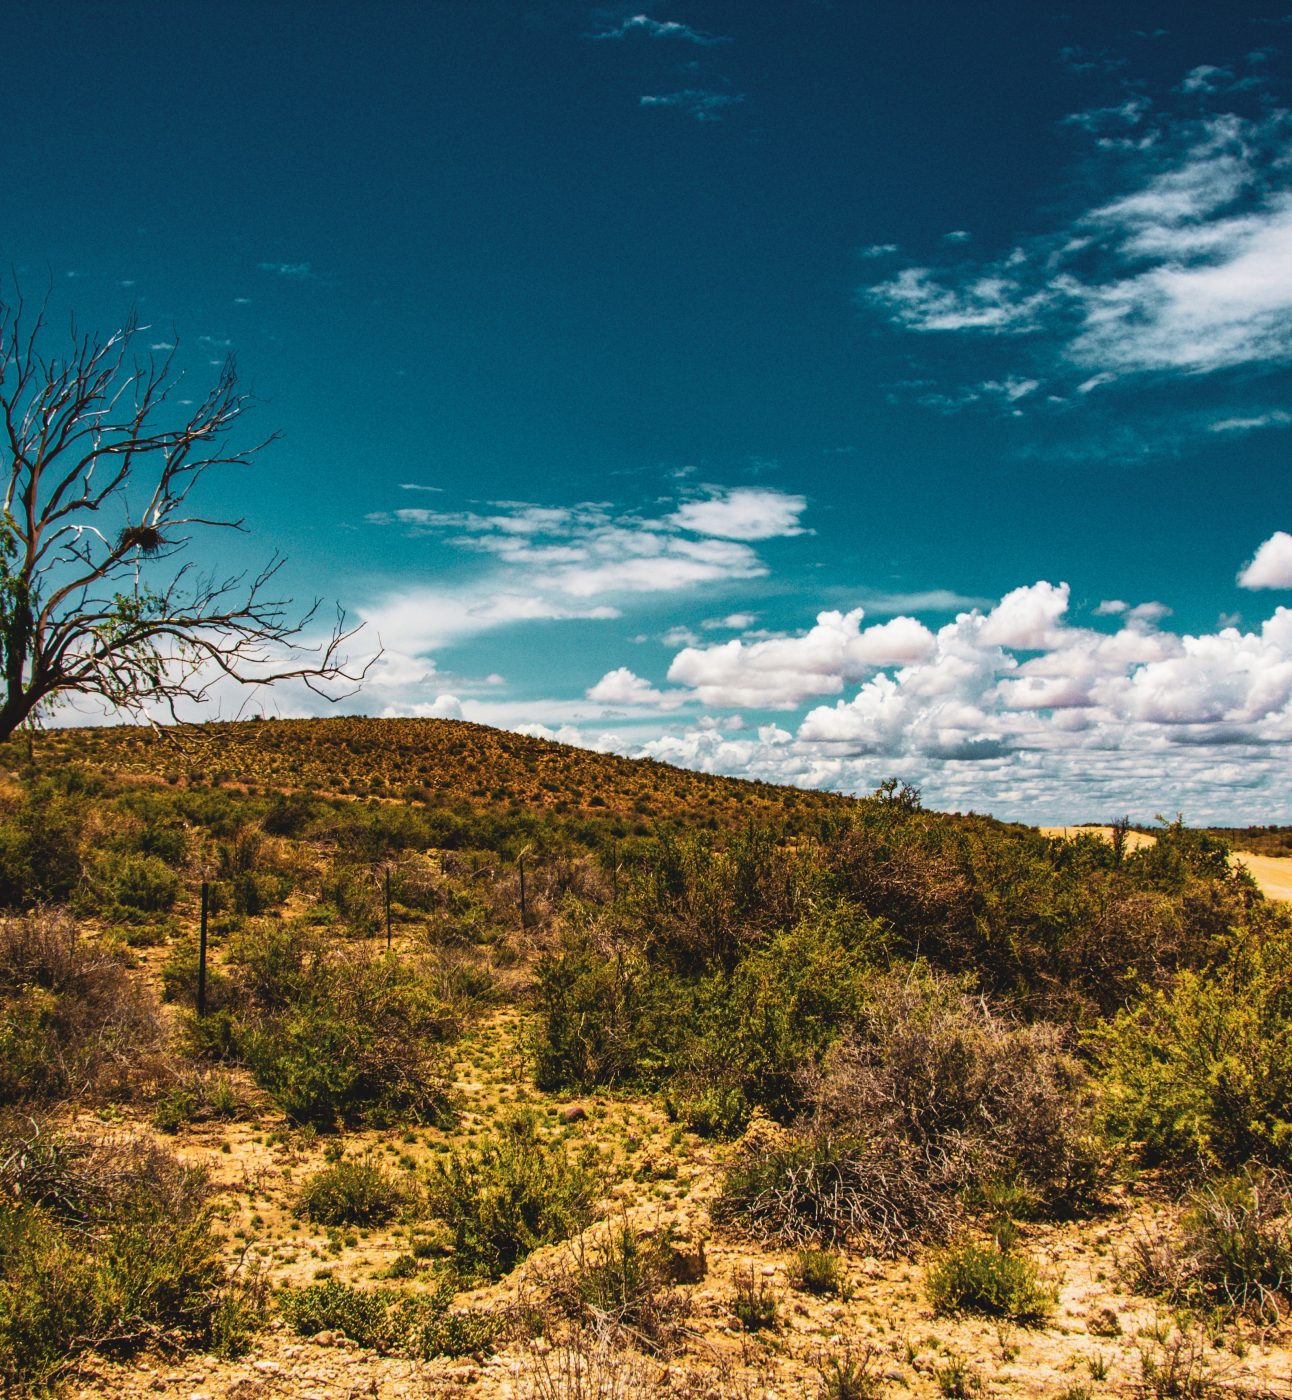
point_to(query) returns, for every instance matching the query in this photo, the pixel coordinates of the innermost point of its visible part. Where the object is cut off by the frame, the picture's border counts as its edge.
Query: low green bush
(986, 1279)
(349, 1192)
(754, 1303)
(1201, 1075)
(624, 1279)
(506, 1198)
(108, 1247)
(819, 1272)
(421, 1325)
(336, 1034)
(137, 884)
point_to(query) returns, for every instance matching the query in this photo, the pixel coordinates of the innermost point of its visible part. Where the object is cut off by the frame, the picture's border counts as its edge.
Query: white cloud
(1271, 567)
(782, 672)
(704, 106)
(622, 687)
(742, 513)
(1187, 269)
(1025, 619)
(589, 550)
(1275, 418)
(658, 29)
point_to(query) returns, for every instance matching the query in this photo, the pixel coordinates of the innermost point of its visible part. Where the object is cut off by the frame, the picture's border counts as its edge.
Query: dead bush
(816, 1187)
(591, 1364)
(975, 1098)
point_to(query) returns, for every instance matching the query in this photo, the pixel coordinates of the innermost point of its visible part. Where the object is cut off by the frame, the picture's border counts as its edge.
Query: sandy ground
(1272, 873)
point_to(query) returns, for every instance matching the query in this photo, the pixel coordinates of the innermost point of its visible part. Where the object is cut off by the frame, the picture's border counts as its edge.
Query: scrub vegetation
(636, 1079)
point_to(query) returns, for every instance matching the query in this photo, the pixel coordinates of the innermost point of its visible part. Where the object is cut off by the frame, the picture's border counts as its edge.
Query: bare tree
(103, 461)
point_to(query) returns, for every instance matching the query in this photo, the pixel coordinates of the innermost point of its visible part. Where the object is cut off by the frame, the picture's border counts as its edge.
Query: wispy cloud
(703, 105)
(645, 26)
(1180, 263)
(567, 561)
(294, 272)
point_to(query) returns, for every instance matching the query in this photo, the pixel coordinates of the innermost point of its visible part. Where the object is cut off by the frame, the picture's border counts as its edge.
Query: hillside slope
(435, 760)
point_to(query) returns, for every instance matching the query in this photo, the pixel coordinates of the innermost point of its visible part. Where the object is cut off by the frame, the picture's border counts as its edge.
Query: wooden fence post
(524, 915)
(201, 951)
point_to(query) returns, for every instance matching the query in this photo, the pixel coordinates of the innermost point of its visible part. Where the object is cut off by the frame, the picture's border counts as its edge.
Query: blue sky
(808, 391)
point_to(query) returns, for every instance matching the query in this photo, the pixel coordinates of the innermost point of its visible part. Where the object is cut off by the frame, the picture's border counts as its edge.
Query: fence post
(201, 952)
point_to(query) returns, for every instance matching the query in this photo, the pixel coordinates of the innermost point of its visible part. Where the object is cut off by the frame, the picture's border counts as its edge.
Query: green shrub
(819, 1272)
(336, 1034)
(754, 1303)
(605, 1016)
(40, 850)
(783, 1006)
(349, 1192)
(1202, 1074)
(108, 1247)
(986, 1279)
(138, 884)
(421, 1325)
(507, 1198)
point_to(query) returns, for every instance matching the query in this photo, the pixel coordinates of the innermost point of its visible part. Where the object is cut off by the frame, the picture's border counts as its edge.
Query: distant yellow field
(1272, 873)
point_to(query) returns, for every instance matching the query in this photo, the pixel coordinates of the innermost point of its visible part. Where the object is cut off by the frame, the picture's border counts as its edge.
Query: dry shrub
(591, 1364)
(976, 1098)
(814, 1186)
(1232, 1248)
(620, 1277)
(932, 1099)
(74, 1022)
(108, 1245)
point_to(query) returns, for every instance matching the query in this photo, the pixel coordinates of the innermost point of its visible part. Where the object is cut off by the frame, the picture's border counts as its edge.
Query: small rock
(573, 1113)
(267, 1368)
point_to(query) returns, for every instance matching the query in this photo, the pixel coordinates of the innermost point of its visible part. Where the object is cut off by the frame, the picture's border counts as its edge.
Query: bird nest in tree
(147, 538)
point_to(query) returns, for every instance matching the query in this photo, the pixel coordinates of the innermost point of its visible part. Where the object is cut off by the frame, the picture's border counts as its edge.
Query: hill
(421, 760)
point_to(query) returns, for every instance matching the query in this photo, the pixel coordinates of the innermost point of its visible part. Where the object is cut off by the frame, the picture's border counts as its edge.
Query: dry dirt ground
(1272, 873)
(1094, 1344)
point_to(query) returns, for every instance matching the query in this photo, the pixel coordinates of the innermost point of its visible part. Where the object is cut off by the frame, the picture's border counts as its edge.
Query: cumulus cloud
(782, 672)
(1015, 709)
(622, 687)
(1271, 566)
